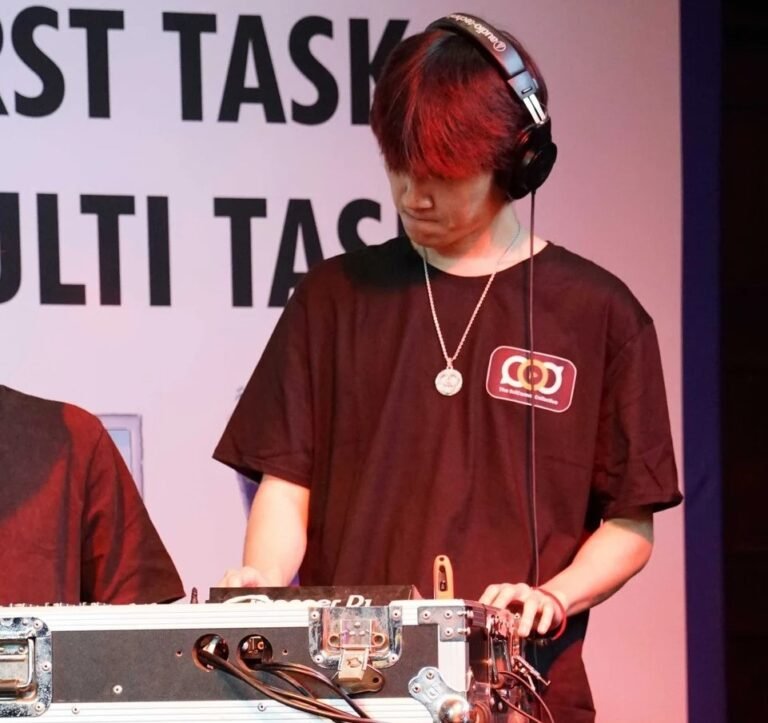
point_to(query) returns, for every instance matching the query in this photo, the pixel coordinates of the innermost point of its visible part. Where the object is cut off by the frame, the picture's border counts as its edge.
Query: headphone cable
(532, 411)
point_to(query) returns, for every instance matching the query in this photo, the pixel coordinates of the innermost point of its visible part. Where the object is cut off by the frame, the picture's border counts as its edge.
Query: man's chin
(422, 229)
(421, 237)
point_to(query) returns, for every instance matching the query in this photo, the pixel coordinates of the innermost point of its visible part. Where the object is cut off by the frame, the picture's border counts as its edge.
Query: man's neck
(501, 245)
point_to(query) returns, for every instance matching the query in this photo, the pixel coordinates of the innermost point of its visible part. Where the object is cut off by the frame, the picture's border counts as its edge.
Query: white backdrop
(612, 67)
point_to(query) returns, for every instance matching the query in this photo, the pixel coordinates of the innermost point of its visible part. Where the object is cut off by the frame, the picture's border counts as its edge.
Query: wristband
(563, 617)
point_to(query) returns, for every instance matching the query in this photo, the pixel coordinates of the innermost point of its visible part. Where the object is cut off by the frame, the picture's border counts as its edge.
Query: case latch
(357, 642)
(25, 667)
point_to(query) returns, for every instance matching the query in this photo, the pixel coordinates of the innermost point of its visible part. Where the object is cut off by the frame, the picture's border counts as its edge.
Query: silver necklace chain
(449, 380)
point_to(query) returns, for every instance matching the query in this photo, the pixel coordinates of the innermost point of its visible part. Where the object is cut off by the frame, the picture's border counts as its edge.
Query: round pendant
(448, 381)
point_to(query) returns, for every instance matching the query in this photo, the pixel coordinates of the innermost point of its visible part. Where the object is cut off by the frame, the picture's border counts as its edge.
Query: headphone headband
(534, 153)
(503, 55)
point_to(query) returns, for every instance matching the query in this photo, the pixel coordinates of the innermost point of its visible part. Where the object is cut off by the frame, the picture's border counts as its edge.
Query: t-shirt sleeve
(635, 464)
(123, 558)
(270, 431)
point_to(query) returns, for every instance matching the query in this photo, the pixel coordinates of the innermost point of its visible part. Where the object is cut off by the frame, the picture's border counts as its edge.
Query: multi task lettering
(299, 228)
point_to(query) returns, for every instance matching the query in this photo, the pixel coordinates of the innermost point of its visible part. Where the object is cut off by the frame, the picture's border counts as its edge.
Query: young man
(389, 419)
(72, 524)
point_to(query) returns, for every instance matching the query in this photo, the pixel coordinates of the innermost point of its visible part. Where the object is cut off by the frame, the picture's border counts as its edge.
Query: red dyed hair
(441, 108)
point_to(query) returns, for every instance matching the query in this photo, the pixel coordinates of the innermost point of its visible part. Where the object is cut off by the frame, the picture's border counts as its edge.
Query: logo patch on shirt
(544, 380)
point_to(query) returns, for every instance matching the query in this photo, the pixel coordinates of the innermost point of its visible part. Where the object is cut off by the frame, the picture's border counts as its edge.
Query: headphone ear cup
(532, 161)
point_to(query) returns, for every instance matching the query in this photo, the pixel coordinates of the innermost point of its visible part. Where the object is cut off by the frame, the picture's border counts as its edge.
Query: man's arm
(612, 555)
(276, 536)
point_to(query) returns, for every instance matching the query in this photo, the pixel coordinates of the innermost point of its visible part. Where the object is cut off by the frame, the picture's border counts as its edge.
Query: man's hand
(615, 552)
(244, 577)
(539, 609)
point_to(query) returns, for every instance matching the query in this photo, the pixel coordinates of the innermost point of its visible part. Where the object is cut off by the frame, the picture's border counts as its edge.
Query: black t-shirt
(73, 525)
(343, 401)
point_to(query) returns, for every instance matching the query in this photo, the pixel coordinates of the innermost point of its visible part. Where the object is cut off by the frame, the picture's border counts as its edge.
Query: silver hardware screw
(39, 707)
(262, 707)
(46, 666)
(118, 689)
(318, 658)
(448, 632)
(426, 615)
(416, 688)
(75, 710)
(314, 615)
(447, 614)
(430, 674)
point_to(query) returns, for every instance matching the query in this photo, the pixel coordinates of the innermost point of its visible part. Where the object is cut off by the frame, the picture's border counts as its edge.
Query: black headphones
(534, 152)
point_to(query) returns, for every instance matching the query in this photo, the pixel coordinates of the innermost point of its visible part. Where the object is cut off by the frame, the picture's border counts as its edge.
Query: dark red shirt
(73, 527)
(343, 402)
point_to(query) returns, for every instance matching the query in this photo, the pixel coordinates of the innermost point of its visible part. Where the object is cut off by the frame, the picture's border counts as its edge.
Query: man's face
(448, 215)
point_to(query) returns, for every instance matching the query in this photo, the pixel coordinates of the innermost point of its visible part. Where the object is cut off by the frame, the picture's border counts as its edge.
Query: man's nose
(415, 194)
